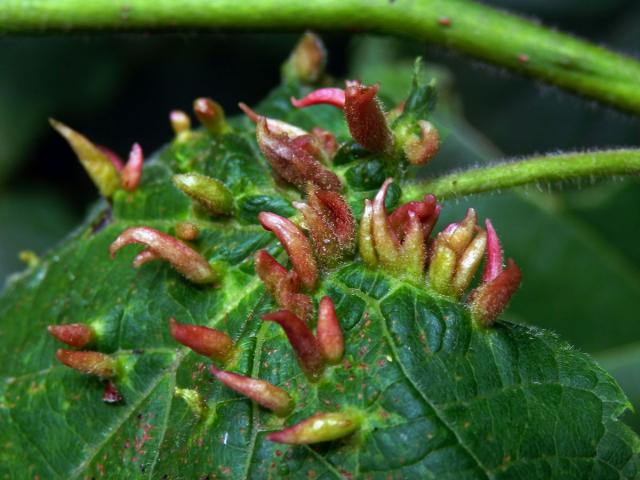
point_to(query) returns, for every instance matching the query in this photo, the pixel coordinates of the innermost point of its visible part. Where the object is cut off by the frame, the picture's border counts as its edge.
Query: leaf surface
(440, 397)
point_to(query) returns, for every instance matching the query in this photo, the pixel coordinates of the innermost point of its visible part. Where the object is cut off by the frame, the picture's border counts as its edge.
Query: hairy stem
(469, 27)
(538, 169)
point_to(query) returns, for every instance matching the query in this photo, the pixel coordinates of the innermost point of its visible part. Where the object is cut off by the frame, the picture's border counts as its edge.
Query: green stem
(538, 169)
(472, 28)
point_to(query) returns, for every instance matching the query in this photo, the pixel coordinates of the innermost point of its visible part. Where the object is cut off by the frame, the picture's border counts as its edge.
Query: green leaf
(440, 397)
(577, 248)
(624, 364)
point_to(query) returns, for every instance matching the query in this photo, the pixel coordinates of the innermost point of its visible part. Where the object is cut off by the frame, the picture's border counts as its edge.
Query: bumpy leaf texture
(436, 395)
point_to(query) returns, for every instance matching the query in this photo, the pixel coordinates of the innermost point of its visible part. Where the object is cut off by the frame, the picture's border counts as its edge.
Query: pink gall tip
(302, 340)
(275, 127)
(211, 115)
(427, 212)
(291, 157)
(180, 122)
(295, 243)
(283, 285)
(205, 341)
(490, 299)
(91, 363)
(253, 116)
(493, 264)
(183, 258)
(321, 427)
(328, 332)
(73, 334)
(273, 273)
(261, 392)
(322, 96)
(132, 171)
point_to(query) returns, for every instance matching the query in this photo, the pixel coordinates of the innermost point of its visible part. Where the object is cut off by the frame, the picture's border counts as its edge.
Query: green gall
(97, 163)
(208, 192)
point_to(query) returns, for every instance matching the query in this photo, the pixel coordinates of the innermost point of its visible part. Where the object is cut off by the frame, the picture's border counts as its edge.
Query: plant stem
(538, 169)
(472, 28)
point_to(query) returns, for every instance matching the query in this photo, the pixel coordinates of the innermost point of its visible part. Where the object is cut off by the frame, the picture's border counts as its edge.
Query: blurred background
(577, 243)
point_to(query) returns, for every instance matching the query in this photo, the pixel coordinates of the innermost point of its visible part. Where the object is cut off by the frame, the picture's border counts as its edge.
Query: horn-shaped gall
(365, 117)
(74, 334)
(330, 222)
(180, 124)
(328, 331)
(275, 126)
(260, 391)
(89, 362)
(363, 111)
(295, 159)
(491, 298)
(498, 285)
(307, 61)
(283, 285)
(160, 245)
(211, 115)
(427, 212)
(397, 242)
(456, 256)
(187, 231)
(203, 340)
(132, 171)
(420, 142)
(320, 144)
(295, 243)
(366, 244)
(301, 338)
(494, 260)
(211, 194)
(321, 427)
(97, 164)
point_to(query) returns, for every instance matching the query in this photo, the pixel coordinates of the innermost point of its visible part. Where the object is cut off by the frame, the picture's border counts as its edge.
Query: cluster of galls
(398, 242)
